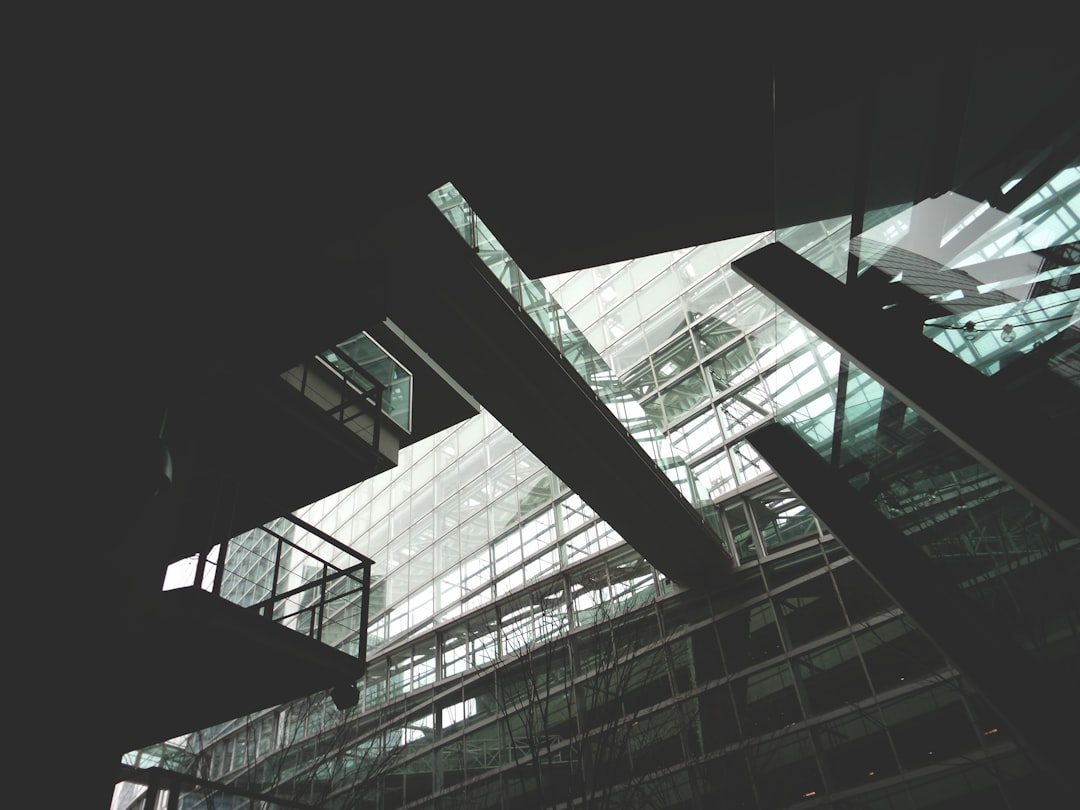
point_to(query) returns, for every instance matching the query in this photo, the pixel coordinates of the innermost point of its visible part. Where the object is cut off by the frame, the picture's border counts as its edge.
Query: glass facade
(997, 283)
(521, 654)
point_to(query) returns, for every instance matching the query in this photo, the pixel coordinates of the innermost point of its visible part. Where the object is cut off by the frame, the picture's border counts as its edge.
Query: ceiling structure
(226, 217)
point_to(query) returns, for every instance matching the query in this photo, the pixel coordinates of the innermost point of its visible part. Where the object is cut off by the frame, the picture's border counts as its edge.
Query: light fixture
(1008, 333)
(969, 330)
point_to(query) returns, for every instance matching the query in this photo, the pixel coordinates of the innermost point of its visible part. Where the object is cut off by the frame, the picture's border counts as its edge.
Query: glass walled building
(521, 654)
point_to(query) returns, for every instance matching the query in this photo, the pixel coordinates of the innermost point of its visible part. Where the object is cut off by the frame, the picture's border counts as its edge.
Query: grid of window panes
(555, 323)
(801, 677)
(707, 356)
(250, 564)
(470, 514)
(470, 517)
(800, 681)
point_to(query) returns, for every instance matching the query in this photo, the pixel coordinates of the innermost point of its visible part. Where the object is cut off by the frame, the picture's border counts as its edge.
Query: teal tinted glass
(645, 424)
(377, 368)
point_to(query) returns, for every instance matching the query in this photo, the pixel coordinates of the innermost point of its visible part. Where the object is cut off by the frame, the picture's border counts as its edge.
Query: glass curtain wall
(522, 655)
(575, 346)
(1006, 280)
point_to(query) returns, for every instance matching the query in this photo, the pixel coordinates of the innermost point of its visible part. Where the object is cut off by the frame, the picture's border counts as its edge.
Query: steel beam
(455, 309)
(988, 420)
(1036, 705)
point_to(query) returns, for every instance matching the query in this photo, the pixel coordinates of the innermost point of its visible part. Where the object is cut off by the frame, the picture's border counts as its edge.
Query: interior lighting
(971, 329)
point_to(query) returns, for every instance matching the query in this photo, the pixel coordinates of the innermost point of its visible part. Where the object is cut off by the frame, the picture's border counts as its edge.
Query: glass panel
(749, 636)
(862, 598)
(896, 653)
(685, 396)
(856, 749)
(744, 408)
(732, 366)
(832, 676)
(929, 726)
(363, 351)
(766, 699)
(785, 770)
(718, 724)
(741, 534)
(823, 243)
(999, 550)
(697, 436)
(782, 518)
(716, 475)
(788, 567)
(675, 359)
(810, 610)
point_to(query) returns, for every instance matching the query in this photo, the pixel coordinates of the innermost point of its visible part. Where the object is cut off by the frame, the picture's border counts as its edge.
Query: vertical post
(322, 604)
(200, 569)
(219, 573)
(275, 580)
(150, 798)
(377, 417)
(362, 651)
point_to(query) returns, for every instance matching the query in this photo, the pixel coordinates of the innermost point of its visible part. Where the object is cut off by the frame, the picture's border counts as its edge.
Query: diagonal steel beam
(1037, 705)
(989, 421)
(461, 316)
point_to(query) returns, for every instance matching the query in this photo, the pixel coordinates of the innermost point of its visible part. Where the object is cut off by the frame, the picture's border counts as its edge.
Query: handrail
(231, 584)
(331, 540)
(307, 586)
(340, 352)
(322, 536)
(349, 394)
(391, 380)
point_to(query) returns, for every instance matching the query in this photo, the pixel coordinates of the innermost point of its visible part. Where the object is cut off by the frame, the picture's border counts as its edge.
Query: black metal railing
(309, 582)
(346, 394)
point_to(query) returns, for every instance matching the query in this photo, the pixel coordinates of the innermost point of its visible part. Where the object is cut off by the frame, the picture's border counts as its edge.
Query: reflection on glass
(375, 362)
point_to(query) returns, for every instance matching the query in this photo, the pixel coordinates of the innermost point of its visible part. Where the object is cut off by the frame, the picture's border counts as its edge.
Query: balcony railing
(292, 573)
(344, 391)
(369, 367)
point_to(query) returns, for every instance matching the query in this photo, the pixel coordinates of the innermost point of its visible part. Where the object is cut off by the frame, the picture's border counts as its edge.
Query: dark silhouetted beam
(455, 309)
(1037, 706)
(989, 421)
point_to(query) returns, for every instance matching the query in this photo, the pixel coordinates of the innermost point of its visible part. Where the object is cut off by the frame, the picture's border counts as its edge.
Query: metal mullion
(1034, 701)
(324, 536)
(364, 604)
(938, 386)
(322, 605)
